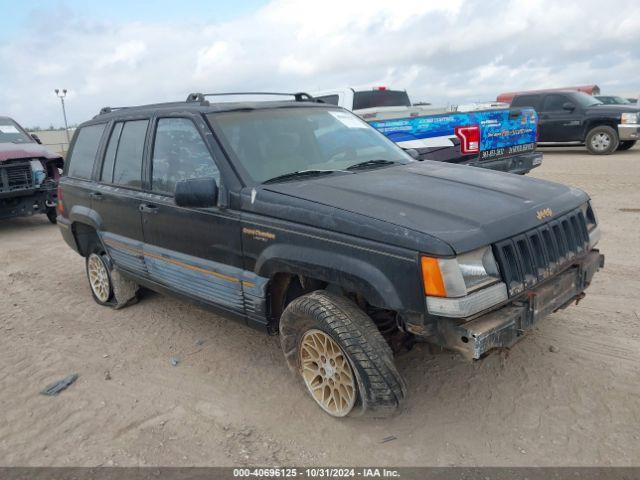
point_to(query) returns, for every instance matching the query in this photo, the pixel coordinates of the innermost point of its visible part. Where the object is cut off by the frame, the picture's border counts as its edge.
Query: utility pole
(64, 112)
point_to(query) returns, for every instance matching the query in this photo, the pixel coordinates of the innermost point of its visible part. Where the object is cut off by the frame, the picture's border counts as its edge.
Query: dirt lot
(231, 399)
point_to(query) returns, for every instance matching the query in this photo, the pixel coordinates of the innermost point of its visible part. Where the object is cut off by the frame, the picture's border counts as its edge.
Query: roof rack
(104, 110)
(201, 97)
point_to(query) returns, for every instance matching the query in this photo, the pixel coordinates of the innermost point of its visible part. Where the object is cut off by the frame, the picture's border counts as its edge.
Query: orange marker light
(432, 277)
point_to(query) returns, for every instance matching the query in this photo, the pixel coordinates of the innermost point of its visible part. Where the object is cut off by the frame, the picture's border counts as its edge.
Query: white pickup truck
(489, 135)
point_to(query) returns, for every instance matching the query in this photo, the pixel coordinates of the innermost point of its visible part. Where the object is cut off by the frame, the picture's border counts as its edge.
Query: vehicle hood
(15, 151)
(614, 109)
(466, 207)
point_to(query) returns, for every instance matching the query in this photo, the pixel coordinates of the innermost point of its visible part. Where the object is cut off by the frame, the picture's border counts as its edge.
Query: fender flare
(85, 215)
(353, 274)
(590, 124)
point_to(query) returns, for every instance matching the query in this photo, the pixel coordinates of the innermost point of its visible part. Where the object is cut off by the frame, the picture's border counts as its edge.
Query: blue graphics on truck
(497, 129)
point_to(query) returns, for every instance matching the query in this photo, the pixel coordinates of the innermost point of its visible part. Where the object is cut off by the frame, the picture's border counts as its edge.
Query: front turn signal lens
(432, 277)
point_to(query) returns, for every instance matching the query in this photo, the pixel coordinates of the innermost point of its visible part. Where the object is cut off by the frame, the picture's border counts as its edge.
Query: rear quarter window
(84, 151)
(526, 101)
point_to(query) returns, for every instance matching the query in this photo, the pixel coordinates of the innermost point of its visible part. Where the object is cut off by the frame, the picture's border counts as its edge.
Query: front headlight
(457, 277)
(462, 286)
(629, 117)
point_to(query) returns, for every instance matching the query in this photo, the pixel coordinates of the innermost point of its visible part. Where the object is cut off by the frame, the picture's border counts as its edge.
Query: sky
(119, 53)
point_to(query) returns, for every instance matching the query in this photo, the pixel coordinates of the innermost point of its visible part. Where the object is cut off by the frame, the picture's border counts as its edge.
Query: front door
(116, 197)
(557, 122)
(195, 251)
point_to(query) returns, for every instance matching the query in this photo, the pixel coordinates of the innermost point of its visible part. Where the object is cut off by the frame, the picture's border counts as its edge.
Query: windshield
(274, 142)
(586, 100)
(10, 132)
(380, 98)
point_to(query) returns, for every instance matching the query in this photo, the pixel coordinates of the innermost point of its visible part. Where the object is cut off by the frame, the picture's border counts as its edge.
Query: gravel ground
(567, 394)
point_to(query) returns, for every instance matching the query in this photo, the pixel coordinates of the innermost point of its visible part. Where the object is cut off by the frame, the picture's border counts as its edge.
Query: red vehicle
(507, 97)
(29, 173)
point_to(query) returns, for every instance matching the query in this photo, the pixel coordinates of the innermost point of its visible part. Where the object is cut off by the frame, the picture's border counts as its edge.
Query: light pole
(64, 112)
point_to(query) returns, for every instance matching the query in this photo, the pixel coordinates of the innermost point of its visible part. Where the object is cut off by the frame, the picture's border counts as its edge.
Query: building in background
(55, 140)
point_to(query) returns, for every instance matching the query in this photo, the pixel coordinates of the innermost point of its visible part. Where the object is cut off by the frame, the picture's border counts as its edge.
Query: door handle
(96, 195)
(148, 208)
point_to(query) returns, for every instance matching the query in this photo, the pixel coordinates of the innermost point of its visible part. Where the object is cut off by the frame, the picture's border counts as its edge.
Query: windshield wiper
(370, 163)
(300, 174)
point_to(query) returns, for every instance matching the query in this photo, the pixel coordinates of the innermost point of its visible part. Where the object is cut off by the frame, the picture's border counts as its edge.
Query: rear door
(195, 251)
(558, 124)
(117, 195)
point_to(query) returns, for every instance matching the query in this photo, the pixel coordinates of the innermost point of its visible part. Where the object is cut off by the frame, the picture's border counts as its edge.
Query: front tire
(342, 358)
(602, 140)
(626, 145)
(52, 215)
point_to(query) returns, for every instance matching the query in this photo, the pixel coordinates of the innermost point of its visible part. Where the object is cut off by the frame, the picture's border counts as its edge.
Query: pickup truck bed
(488, 135)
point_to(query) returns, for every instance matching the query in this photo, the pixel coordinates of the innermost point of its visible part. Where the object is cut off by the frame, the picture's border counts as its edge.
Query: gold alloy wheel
(98, 277)
(327, 373)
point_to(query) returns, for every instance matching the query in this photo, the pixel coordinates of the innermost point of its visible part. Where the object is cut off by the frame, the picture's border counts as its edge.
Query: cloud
(127, 54)
(442, 52)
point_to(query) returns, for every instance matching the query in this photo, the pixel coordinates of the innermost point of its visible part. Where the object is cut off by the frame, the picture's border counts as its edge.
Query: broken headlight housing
(591, 221)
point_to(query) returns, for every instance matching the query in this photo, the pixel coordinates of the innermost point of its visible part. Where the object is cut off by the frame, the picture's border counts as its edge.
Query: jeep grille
(537, 254)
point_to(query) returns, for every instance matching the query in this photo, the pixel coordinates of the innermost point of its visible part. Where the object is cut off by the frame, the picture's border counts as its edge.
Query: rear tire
(602, 140)
(108, 286)
(99, 277)
(626, 145)
(323, 334)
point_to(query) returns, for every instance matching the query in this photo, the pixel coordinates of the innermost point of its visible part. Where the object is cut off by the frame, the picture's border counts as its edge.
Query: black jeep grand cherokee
(248, 209)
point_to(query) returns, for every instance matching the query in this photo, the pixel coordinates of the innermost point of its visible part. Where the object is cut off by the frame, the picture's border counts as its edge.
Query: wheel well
(86, 237)
(286, 287)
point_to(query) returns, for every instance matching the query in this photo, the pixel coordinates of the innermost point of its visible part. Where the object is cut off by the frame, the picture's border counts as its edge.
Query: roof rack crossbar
(200, 97)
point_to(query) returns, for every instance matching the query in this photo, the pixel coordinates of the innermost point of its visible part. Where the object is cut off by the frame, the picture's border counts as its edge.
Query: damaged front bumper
(28, 202)
(504, 327)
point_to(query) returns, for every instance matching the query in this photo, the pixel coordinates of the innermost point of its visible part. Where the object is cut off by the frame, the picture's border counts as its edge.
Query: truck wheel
(602, 140)
(99, 278)
(342, 358)
(52, 215)
(626, 145)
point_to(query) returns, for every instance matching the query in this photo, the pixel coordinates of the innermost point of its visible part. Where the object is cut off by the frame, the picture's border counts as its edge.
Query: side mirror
(36, 138)
(568, 106)
(413, 153)
(196, 192)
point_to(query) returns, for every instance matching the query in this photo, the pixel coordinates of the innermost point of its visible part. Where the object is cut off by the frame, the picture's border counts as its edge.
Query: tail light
(59, 205)
(469, 138)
